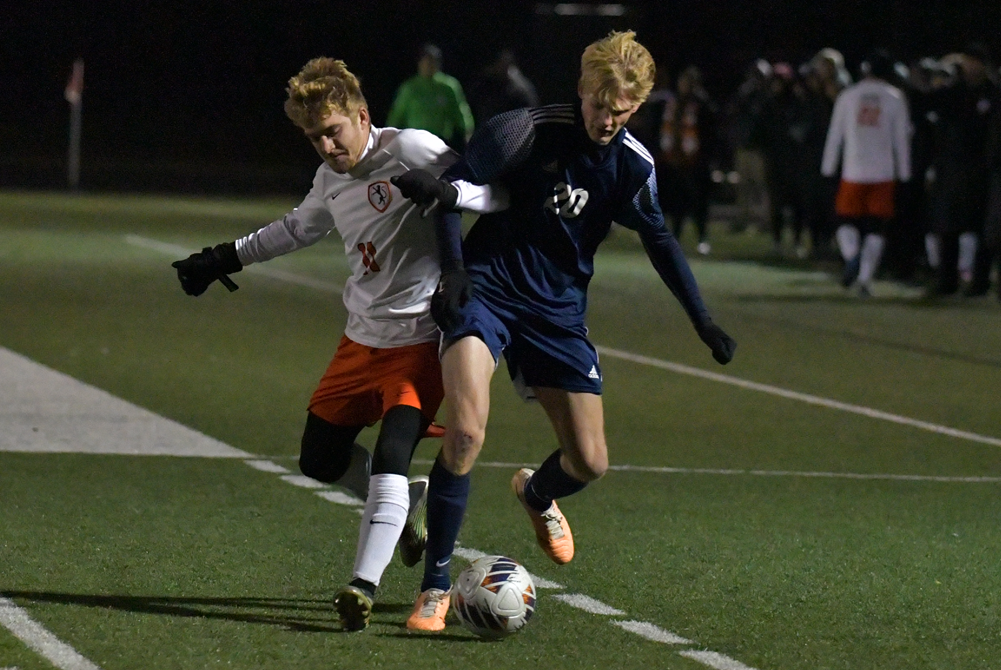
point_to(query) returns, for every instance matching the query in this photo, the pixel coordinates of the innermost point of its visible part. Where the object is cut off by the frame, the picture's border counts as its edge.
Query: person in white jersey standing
(386, 365)
(869, 135)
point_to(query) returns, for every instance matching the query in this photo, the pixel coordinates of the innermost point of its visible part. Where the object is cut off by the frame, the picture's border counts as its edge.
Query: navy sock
(447, 496)
(550, 482)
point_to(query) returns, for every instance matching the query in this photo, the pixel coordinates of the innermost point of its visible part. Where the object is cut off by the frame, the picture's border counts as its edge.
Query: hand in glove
(199, 270)
(424, 189)
(455, 288)
(722, 345)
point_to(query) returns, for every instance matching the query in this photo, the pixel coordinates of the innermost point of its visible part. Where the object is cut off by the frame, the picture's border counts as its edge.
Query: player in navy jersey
(517, 286)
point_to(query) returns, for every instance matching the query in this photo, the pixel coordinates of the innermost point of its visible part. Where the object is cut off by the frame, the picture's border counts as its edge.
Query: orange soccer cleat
(551, 528)
(430, 610)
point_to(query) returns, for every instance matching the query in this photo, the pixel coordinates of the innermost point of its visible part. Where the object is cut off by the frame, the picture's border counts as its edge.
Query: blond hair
(617, 67)
(323, 86)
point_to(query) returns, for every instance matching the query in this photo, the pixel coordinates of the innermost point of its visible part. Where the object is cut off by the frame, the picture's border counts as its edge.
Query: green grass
(158, 562)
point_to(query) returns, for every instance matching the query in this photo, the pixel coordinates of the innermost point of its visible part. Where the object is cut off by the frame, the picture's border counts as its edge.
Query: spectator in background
(433, 101)
(687, 141)
(869, 127)
(905, 246)
(830, 67)
(992, 223)
(783, 131)
(743, 112)
(501, 87)
(963, 106)
(818, 191)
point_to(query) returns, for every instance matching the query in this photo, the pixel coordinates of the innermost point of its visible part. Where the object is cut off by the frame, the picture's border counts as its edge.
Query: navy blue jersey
(565, 191)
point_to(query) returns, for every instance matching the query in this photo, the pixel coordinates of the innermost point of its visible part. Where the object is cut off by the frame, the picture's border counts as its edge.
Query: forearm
(668, 259)
(275, 239)
(448, 234)
(480, 199)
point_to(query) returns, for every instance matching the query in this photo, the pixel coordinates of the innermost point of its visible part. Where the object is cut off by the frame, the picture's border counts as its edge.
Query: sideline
(757, 473)
(38, 638)
(795, 395)
(179, 251)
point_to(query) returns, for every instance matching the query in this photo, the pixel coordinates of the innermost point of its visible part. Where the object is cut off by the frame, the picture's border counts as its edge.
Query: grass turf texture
(178, 563)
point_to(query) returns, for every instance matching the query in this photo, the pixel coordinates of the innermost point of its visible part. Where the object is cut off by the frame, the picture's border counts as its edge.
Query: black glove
(199, 270)
(423, 188)
(722, 345)
(455, 288)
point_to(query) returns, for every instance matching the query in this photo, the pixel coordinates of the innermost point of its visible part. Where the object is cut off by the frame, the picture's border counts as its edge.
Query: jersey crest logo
(380, 195)
(565, 201)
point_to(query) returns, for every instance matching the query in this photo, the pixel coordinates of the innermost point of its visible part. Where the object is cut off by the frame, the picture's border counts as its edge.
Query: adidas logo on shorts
(593, 374)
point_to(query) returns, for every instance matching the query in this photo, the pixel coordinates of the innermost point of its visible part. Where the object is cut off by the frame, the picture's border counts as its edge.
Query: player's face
(340, 140)
(602, 121)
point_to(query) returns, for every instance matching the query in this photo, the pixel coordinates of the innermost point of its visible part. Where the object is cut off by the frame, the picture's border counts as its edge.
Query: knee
(586, 467)
(460, 448)
(326, 450)
(593, 469)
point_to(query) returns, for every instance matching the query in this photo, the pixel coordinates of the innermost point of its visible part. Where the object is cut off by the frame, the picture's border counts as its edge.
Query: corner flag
(74, 87)
(74, 95)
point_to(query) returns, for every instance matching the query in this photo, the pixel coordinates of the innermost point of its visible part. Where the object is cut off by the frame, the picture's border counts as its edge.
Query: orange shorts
(857, 200)
(362, 383)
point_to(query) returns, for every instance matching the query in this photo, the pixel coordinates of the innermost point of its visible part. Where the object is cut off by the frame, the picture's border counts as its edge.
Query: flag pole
(74, 94)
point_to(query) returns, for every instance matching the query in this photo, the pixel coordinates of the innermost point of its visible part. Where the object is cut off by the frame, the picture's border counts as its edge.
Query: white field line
(580, 601)
(38, 638)
(65, 657)
(757, 473)
(588, 604)
(471, 555)
(651, 632)
(795, 395)
(341, 498)
(268, 466)
(303, 481)
(178, 251)
(714, 660)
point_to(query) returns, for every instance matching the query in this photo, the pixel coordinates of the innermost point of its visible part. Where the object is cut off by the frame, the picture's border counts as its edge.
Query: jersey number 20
(565, 201)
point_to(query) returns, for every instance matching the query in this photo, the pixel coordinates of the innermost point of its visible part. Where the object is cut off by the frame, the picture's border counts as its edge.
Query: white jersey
(871, 120)
(391, 251)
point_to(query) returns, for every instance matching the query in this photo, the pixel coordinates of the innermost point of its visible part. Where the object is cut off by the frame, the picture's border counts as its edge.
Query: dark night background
(187, 95)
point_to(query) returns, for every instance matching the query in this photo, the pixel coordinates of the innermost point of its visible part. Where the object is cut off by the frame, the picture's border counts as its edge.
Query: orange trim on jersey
(362, 383)
(857, 200)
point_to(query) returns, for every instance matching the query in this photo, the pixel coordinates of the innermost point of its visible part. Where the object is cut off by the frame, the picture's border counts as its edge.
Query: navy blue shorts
(538, 352)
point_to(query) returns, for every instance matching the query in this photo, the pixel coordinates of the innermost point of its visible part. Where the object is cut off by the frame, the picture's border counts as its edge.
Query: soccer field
(830, 499)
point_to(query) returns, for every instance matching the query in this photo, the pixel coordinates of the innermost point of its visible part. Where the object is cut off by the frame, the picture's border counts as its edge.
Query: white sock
(381, 525)
(872, 253)
(848, 241)
(932, 250)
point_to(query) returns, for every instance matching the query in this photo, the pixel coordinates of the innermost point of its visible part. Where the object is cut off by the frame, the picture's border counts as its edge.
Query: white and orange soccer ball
(494, 597)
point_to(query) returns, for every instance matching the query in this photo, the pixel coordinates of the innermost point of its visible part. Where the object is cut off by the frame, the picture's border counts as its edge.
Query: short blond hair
(617, 66)
(323, 86)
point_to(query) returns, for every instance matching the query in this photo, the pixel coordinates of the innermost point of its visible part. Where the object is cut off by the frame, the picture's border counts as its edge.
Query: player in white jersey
(870, 127)
(386, 366)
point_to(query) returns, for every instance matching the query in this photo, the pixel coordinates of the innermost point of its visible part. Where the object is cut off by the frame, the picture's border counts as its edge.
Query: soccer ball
(494, 597)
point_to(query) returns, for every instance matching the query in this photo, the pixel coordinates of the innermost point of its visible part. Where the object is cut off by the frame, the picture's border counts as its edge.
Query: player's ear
(363, 116)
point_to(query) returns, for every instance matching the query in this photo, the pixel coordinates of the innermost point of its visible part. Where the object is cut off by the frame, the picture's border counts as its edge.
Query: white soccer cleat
(415, 530)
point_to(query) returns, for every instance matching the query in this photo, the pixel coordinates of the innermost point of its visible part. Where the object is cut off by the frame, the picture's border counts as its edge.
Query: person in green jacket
(433, 101)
